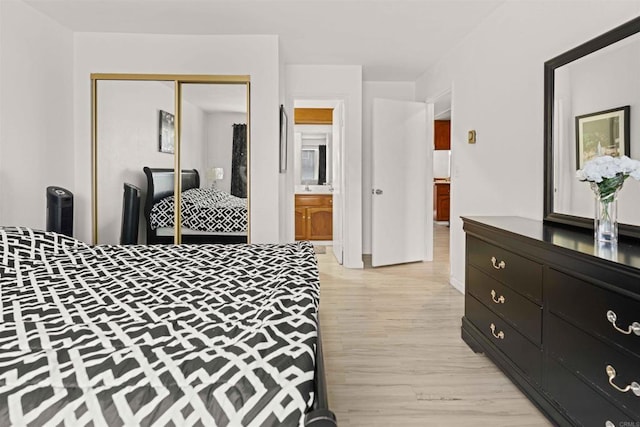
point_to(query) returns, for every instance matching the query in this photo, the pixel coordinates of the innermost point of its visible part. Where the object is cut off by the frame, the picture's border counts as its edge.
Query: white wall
(285, 180)
(333, 82)
(220, 145)
(497, 78)
(256, 56)
(399, 91)
(36, 112)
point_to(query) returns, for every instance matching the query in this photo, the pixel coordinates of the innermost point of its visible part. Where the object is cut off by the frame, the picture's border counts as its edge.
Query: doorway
(442, 156)
(318, 150)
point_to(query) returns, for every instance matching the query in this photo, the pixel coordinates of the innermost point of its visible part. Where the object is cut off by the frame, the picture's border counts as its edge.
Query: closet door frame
(178, 80)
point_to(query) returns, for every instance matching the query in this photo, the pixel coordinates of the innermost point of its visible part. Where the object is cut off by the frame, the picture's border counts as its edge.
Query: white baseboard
(458, 285)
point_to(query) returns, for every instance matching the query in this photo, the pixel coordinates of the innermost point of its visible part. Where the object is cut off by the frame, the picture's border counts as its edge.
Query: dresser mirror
(597, 76)
(145, 127)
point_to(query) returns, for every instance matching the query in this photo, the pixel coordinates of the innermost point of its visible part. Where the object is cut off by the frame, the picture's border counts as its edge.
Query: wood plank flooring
(393, 352)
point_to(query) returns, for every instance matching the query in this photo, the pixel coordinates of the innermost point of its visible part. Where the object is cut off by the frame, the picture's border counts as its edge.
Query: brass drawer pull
(635, 326)
(499, 335)
(500, 300)
(499, 265)
(634, 386)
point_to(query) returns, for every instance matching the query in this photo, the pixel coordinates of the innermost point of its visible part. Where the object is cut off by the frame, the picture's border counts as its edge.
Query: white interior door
(337, 180)
(402, 195)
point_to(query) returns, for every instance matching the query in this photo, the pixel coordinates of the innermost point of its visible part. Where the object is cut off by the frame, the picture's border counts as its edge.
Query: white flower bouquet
(607, 174)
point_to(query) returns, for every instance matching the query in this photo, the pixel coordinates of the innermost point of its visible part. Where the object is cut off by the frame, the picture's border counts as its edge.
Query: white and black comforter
(155, 335)
(203, 209)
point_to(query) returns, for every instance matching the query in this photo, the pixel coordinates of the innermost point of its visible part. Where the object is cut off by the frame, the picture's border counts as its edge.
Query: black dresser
(559, 315)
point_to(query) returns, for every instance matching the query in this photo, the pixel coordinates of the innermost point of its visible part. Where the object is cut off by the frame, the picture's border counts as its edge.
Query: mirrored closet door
(146, 127)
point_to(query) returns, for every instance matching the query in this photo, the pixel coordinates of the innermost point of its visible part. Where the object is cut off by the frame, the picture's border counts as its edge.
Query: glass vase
(605, 222)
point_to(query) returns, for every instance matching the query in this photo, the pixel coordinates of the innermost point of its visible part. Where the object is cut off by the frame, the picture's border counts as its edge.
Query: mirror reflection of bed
(129, 133)
(208, 215)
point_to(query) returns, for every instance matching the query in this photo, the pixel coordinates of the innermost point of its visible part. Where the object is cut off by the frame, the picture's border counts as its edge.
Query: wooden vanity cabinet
(314, 217)
(558, 316)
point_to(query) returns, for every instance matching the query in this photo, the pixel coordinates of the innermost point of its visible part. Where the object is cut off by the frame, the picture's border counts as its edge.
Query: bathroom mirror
(597, 76)
(313, 156)
(145, 127)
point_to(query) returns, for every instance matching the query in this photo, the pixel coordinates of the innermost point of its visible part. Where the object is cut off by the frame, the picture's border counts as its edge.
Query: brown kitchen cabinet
(442, 134)
(441, 201)
(314, 217)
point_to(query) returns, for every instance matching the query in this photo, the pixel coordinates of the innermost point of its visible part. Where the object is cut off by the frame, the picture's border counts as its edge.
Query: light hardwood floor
(393, 352)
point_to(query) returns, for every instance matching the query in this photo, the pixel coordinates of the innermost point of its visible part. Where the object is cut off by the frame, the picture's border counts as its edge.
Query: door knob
(376, 191)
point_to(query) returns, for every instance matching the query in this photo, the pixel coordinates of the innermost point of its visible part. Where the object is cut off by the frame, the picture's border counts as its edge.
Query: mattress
(155, 335)
(203, 209)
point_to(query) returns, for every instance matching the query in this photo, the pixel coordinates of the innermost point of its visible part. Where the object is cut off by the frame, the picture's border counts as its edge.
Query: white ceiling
(394, 40)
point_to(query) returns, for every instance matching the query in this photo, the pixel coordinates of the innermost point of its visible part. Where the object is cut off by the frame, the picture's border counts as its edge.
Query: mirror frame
(550, 216)
(178, 80)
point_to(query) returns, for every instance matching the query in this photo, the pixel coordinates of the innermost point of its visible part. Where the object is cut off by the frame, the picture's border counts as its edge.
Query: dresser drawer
(588, 306)
(519, 273)
(515, 346)
(585, 405)
(590, 357)
(521, 313)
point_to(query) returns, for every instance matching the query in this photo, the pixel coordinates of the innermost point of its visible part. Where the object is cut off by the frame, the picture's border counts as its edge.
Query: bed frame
(320, 415)
(160, 185)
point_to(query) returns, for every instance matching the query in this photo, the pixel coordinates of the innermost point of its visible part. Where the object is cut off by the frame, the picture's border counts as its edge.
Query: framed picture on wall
(283, 140)
(602, 133)
(167, 132)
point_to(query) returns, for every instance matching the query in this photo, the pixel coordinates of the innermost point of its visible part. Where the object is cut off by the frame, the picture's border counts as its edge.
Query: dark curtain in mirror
(239, 161)
(322, 164)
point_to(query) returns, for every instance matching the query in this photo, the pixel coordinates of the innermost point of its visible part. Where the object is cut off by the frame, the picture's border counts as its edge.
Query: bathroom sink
(314, 189)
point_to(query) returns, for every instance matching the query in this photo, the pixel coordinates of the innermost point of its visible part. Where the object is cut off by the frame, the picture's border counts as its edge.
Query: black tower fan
(60, 210)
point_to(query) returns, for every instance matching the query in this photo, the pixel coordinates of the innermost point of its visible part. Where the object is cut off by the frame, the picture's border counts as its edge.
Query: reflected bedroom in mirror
(136, 133)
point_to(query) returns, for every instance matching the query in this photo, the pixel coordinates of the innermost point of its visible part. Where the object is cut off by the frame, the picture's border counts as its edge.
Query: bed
(158, 335)
(208, 215)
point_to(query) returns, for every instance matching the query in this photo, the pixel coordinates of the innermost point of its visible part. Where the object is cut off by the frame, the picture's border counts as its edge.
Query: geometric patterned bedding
(191, 335)
(203, 209)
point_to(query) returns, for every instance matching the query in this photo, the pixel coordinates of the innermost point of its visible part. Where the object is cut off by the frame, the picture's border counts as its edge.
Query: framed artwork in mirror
(167, 132)
(605, 133)
(283, 140)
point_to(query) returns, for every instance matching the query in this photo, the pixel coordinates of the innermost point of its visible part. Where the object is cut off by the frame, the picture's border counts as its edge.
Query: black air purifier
(130, 215)
(60, 210)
